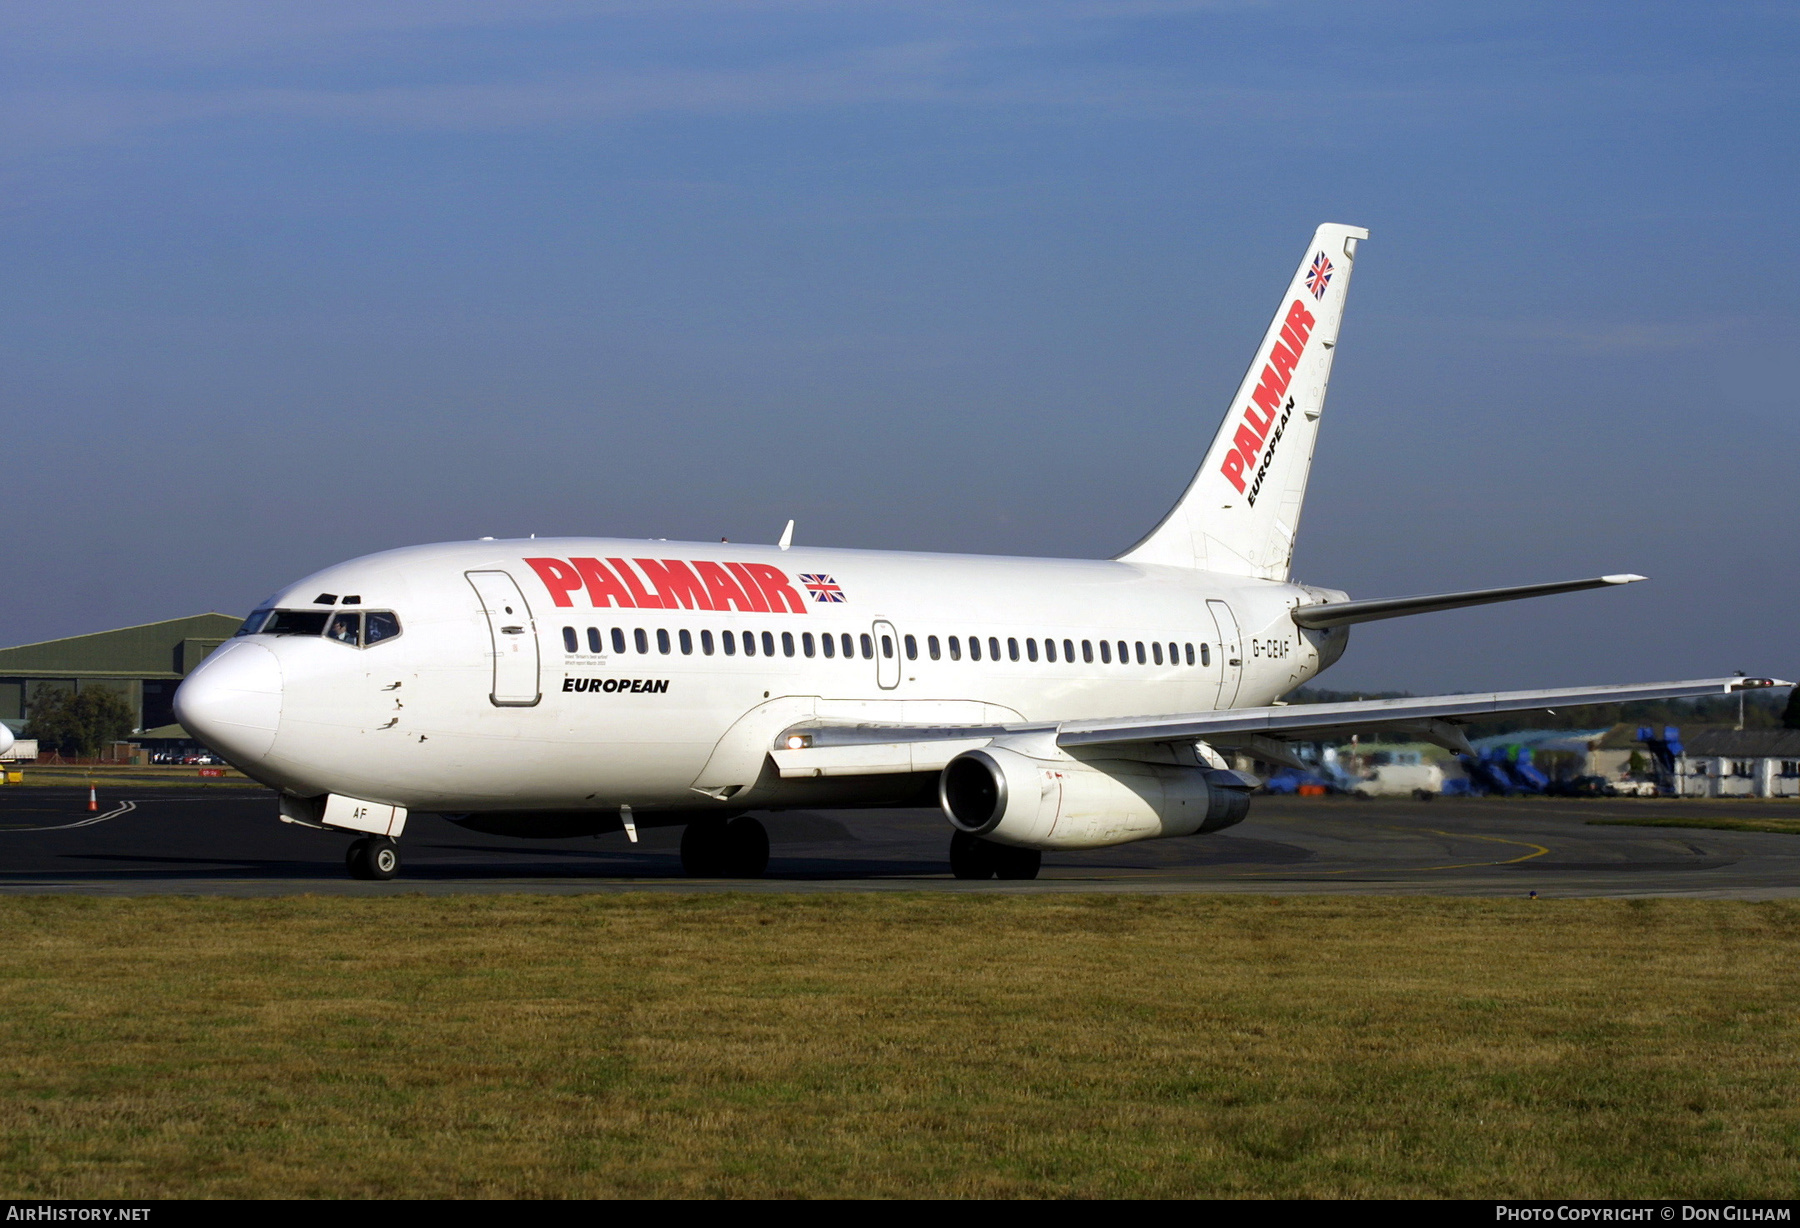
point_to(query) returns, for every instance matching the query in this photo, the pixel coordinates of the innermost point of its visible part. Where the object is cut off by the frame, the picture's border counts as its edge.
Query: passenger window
(787, 643)
(931, 646)
(849, 649)
(347, 629)
(1012, 648)
(994, 648)
(829, 643)
(887, 648)
(571, 642)
(912, 649)
(618, 639)
(1049, 650)
(729, 641)
(1174, 654)
(594, 644)
(687, 642)
(1190, 654)
(662, 640)
(1156, 653)
(1205, 655)
(955, 649)
(1125, 653)
(974, 648)
(1087, 651)
(868, 647)
(1069, 651)
(706, 643)
(749, 643)
(1140, 652)
(806, 643)
(768, 643)
(643, 641)
(379, 625)
(1106, 652)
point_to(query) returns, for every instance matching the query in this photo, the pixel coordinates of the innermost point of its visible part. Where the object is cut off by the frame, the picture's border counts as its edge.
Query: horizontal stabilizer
(1343, 613)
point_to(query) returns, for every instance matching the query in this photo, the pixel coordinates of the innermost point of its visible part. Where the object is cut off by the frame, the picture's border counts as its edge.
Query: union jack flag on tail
(823, 588)
(1319, 275)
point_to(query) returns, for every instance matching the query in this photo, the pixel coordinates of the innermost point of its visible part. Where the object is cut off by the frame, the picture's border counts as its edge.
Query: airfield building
(1741, 763)
(144, 664)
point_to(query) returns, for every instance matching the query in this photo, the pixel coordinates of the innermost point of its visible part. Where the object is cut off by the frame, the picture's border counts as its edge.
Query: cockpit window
(380, 625)
(345, 628)
(359, 630)
(296, 622)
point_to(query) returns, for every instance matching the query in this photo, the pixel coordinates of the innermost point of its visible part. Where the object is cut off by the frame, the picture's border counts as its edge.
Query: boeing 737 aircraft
(568, 686)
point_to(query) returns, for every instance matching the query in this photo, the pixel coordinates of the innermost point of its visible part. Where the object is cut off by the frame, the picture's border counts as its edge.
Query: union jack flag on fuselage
(1319, 275)
(823, 588)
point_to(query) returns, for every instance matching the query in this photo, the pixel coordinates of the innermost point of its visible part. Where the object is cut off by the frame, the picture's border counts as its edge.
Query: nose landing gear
(713, 848)
(375, 858)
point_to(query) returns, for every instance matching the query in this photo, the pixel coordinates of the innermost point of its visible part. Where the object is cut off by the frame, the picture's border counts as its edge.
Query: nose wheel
(375, 858)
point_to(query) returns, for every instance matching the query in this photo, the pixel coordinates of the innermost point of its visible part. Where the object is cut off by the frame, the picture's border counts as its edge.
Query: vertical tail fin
(1240, 512)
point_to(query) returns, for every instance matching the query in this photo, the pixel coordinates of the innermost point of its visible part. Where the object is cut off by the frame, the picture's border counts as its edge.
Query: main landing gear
(714, 848)
(373, 857)
(973, 857)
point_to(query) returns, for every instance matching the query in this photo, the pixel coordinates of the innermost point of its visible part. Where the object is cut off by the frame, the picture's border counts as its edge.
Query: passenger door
(1231, 652)
(887, 655)
(513, 635)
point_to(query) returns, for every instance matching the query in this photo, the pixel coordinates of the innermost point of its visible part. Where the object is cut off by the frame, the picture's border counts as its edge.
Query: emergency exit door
(514, 638)
(887, 655)
(1231, 652)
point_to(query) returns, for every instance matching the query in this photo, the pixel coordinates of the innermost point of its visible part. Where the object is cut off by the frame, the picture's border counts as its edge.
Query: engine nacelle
(1003, 795)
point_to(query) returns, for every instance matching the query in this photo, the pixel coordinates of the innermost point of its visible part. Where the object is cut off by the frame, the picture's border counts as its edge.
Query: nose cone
(233, 701)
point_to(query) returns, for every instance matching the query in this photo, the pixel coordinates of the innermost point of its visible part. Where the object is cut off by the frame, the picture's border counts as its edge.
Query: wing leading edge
(1434, 718)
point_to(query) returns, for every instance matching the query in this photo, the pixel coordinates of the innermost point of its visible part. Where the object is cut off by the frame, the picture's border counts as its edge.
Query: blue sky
(286, 284)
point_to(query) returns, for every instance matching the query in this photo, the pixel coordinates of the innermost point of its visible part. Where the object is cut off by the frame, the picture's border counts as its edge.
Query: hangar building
(144, 664)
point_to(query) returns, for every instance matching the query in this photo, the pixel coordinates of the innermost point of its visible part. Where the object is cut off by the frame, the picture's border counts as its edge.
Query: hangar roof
(1744, 743)
(167, 649)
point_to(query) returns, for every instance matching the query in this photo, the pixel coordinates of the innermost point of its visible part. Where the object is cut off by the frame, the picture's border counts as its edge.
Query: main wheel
(746, 848)
(703, 848)
(377, 858)
(971, 856)
(353, 858)
(1016, 862)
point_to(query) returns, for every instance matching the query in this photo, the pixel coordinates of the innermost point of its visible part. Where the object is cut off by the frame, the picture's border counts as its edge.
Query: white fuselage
(436, 718)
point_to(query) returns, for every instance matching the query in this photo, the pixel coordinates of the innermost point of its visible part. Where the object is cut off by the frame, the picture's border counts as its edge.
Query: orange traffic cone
(93, 802)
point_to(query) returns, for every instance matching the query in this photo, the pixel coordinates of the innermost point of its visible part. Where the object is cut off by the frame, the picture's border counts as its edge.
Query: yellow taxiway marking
(1538, 851)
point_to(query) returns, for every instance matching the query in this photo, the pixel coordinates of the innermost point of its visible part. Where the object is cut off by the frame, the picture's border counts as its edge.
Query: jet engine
(1002, 794)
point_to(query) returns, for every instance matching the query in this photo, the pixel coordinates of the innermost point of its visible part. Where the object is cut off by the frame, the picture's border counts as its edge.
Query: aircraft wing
(819, 748)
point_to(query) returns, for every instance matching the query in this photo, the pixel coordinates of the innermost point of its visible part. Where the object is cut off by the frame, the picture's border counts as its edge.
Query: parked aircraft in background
(559, 687)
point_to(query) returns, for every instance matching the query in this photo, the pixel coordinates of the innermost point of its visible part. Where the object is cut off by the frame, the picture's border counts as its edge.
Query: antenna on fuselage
(787, 536)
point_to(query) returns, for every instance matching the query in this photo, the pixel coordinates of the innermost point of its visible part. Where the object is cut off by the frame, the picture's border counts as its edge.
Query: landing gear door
(1231, 652)
(887, 655)
(513, 635)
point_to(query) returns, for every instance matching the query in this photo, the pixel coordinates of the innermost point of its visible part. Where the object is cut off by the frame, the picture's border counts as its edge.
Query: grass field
(890, 1045)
